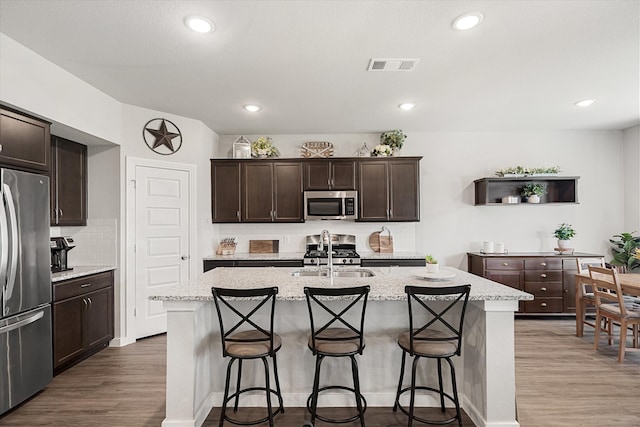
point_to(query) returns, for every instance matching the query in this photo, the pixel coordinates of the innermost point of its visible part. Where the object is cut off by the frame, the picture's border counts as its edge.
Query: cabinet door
(67, 330)
(98, 320)
(257, 191)
(343, 175)
(317, 175)
(225, 191)
(287, 192)
(404, 194)
(512, 278)
(69, 183)
(25, 141)
(373, 191)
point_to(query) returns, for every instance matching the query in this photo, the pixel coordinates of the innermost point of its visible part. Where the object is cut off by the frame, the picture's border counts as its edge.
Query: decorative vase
(534, 198)
(432, 268)
(563, 244)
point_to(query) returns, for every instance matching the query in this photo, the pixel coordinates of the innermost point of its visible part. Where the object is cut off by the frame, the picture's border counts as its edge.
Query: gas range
(344, 250)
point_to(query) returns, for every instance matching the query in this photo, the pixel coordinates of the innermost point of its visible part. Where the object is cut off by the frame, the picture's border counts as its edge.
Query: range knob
(351, 261)
(344, 260)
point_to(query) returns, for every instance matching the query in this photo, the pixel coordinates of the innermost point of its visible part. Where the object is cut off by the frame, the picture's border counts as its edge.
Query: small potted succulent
(533, 191)
(432, 264)
(263, 147)
(564, 233)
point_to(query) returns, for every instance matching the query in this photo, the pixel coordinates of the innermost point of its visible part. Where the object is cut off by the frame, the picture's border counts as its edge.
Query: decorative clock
(164, 139)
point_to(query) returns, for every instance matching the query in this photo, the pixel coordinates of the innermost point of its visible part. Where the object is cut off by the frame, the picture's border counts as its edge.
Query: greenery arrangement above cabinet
(559, 189)
(25, 142)
(271, 190)
(68, 182)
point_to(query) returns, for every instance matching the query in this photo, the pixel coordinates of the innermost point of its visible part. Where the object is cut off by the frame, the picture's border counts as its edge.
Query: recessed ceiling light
(585, 102)
(199, 24)
(252, 108)
(467, 21)
(407, 106)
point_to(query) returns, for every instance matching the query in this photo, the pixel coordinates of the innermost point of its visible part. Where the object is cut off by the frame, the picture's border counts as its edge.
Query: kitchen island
(195, 366)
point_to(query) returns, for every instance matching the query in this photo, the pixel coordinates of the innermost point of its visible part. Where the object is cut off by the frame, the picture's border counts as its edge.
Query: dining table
(629, 283)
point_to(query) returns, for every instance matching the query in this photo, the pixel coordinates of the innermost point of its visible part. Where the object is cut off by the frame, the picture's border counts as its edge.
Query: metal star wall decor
(163, 143)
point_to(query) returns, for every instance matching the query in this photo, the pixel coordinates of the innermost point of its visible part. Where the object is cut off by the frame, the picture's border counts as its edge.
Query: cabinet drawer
(82, 285)
(504, 264)
(543, 276)
(543, 305)
(543, 290)
(543, 264)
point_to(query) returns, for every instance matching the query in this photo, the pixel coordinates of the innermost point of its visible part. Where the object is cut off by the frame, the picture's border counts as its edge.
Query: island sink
(360, 272)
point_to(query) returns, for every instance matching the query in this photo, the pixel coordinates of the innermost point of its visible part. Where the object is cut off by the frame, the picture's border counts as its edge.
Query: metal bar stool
(424, 340)
(344, 341)
(248, 338)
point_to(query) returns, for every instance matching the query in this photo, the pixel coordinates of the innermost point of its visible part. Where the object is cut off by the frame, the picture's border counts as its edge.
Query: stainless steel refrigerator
(26, 364)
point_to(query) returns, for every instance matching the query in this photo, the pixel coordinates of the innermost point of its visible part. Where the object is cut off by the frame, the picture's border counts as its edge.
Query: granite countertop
(387, 284)
(80, 272)
(300, 255)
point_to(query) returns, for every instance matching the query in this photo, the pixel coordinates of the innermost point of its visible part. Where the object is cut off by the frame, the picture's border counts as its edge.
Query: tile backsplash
(96, 244)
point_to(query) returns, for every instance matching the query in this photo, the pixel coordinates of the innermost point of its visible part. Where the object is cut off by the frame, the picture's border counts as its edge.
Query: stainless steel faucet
(329, 251)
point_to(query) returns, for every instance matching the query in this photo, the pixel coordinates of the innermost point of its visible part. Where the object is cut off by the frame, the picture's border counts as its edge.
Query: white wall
(631, 167)
(450, 224)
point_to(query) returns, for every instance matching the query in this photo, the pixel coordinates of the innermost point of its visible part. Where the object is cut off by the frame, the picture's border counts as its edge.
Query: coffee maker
(60, 246)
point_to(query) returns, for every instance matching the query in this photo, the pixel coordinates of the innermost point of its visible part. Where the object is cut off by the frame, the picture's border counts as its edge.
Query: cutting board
(381, 243)
(264, 246)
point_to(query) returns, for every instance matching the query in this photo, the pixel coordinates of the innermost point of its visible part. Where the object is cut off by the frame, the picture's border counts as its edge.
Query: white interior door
(162, 241)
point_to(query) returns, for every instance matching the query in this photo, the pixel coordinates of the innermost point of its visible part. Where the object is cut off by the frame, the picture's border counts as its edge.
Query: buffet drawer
(544, 290)
(543, 276)
(81, 285)
(504, 264)
(543, 264)
(543, 305)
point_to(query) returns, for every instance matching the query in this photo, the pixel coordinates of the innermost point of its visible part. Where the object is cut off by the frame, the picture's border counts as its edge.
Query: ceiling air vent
(395, 64)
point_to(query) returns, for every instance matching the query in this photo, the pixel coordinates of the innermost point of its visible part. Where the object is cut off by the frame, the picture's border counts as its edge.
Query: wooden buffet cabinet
(82, 318)
(548, 276)
(271, 190)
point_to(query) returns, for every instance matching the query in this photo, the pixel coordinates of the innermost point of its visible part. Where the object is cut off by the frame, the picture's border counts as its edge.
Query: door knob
(184, 257)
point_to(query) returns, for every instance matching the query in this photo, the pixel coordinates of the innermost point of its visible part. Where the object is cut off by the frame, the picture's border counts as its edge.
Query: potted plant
(626, 251)
(263, 147)
(564, 233)
(533, 191)
(432, 264)
(382, 150)
(394, 139)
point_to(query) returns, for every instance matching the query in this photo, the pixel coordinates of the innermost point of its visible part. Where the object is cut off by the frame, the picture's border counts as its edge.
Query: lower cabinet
(210, 264)
(393, 262)
(549, 277)
(82, 318)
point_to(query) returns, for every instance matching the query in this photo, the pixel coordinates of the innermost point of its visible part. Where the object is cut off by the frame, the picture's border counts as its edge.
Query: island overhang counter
(195, 366)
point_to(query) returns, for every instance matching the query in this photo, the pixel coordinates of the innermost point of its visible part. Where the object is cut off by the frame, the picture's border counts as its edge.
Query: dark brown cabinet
(560, 189)
(68, 180)
(323, 174)
(389, 189)
(256, 191)
(25, 142)
(82, 318)
(210, 264)
(549, 277)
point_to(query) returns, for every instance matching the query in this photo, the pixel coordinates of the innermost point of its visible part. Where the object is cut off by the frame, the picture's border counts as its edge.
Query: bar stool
(423, 340)
(344, 341)
(248, 338)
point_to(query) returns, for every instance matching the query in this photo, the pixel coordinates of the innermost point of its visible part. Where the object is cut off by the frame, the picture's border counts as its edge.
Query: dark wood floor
(561, 381)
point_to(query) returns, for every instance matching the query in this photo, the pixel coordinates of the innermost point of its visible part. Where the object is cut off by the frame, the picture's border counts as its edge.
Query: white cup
(499, 247)
(487, 247)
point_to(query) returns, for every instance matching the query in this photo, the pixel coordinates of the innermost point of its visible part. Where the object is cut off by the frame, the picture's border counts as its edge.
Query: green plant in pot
(625, 248)
(533, 191)
(564, 233)
(432, 264)
(394, 139)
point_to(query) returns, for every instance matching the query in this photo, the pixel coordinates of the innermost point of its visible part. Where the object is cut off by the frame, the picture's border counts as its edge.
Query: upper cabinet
(559, 189)
(68, 182)
(323, 174)
(389, 189)
(256, 190)
(25, 142)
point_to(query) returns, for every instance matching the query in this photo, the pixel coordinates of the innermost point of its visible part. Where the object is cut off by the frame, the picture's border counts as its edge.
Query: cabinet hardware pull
(543, 275)
(543, 289)
(90, 302)
(61, 212)
(544, 264)
(85, 304)
(544, 304)
(505, 263)
(329, 182)
(238, 215)
(85, 285)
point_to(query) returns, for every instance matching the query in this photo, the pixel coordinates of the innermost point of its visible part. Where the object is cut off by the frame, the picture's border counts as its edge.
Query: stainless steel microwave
(330, 205)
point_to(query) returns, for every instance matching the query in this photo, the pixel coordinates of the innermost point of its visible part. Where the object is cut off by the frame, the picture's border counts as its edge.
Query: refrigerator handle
(4, 248)
(19, 324)
(13, 220)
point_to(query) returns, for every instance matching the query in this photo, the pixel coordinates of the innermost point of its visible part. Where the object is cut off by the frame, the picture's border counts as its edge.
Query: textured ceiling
(305, 62)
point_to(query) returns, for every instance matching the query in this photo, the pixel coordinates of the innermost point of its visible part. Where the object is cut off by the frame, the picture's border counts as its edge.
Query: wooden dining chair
(611, 305)
(588, 298)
